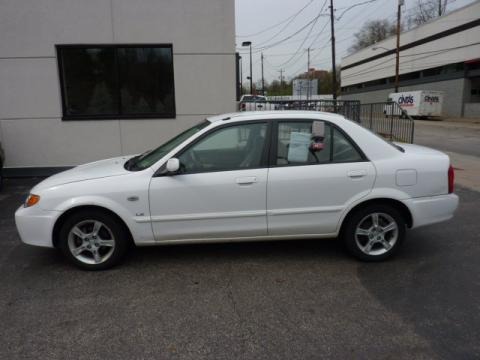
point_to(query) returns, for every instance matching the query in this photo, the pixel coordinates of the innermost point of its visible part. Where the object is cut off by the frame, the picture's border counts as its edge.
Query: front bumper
(431, 210)
(35, 225)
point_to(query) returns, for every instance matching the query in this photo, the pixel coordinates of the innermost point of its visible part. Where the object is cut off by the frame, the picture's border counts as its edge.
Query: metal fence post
(412, 124)
(391, 121)
(371, 116)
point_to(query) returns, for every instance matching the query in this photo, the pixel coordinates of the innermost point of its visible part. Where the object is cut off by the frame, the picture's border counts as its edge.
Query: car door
(220, 189)
(316, 171)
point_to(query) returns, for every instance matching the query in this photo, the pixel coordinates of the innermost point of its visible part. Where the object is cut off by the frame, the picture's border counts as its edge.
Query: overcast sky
(252, 17)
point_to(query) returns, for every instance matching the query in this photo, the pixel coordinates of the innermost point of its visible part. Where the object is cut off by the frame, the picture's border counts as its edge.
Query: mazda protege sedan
(244, 177)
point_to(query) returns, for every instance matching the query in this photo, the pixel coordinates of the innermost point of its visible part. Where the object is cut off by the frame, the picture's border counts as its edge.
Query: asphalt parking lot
(277, 300)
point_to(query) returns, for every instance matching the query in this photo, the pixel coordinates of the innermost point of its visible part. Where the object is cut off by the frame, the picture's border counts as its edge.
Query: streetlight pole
(249, 44)
(397, 60)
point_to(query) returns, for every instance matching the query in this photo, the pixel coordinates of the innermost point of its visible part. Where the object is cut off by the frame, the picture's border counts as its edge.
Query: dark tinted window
(146, 80)
(90, 81)
(117, 81)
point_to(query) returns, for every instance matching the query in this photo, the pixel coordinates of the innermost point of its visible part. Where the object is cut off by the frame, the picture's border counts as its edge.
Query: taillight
(451, 179)
(242, 106)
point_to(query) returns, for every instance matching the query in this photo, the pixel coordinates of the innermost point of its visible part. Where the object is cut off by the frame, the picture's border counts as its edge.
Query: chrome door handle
(247, 180)
(356, 174)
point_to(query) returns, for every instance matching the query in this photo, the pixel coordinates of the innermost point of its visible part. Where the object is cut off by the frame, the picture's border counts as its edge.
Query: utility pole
(308, 73)
(334, 70)
(281, 77)
(263, 83)
(397, 60)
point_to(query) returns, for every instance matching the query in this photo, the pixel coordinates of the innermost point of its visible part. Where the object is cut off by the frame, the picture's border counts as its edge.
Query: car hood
(93, 170)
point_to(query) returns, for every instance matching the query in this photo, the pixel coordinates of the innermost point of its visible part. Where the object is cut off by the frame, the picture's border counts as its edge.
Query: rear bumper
(35, 225)
(431, 210)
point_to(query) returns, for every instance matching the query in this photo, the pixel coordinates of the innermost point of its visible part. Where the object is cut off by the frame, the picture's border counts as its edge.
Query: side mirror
(173, 165)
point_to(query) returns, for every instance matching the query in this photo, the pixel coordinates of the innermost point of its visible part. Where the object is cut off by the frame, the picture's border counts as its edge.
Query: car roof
(277, 114)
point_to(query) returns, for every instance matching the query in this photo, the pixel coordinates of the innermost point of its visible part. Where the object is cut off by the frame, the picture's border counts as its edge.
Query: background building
(86, 80)
(443, 54)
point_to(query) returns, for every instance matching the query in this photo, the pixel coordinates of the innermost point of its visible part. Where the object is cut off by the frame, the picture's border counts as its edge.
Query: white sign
(298, 148)
(304, 87)
(318, 128)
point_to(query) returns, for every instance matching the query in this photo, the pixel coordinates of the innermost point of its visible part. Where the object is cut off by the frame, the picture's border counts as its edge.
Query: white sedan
(243, 177)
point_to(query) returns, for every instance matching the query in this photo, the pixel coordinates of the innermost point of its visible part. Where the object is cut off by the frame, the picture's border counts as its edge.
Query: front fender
(141, 232)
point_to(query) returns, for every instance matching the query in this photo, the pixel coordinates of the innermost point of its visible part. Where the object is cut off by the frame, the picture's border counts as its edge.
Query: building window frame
(118, 115)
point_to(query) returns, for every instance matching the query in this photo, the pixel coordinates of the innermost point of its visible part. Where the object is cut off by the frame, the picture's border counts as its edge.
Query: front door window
(231, 148)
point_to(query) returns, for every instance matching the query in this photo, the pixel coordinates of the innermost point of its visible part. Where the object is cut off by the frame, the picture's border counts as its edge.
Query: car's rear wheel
(93, 240)
(374, 233)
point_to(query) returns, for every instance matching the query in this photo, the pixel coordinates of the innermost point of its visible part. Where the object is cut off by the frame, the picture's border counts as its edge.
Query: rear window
(253, 98)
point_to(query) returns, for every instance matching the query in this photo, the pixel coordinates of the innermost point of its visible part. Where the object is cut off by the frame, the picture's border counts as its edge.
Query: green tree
(275, 88)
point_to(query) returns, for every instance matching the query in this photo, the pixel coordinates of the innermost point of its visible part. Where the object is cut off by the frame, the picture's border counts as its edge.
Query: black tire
(361, 217)
(112, 228)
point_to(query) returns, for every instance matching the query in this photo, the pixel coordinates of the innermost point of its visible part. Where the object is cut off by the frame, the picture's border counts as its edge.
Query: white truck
(421, 103)
(255, 103)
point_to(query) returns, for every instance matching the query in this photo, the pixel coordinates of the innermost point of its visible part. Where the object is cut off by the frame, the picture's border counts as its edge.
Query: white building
(86, 80)
(443, 54)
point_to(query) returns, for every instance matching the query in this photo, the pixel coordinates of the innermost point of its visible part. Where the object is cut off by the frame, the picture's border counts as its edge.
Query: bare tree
(426, 10)
(372, 32)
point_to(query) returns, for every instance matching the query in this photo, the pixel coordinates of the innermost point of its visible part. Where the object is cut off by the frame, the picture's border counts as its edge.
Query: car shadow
(434, 283)
(274, 251)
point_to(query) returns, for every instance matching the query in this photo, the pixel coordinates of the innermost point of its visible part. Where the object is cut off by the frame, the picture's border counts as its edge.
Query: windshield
(149, 158)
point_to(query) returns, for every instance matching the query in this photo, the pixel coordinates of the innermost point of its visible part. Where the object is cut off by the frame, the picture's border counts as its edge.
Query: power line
(317, 34)
(311, 49)
(263, 48)
(353, 6)
(306, 37)
(281, 30)
(279, 23)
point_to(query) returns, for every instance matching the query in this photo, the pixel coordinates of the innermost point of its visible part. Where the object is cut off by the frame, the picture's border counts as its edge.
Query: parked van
(421, 103)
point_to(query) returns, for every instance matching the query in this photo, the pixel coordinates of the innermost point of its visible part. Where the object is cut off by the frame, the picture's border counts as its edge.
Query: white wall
(420, 57)
(31, 129)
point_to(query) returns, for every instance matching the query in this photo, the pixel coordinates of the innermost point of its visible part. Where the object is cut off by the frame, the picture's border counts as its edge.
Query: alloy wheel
(376, 233)
(91, 242)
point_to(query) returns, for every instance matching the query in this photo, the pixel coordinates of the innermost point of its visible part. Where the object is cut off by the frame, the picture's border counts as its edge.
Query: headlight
(32, 199)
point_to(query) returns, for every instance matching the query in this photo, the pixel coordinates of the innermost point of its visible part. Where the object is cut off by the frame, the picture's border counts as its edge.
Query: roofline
(274, 114)
(379, 43)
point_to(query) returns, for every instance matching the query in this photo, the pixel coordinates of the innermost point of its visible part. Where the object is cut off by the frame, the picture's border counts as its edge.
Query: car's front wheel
(374, 233)
(93, 240)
